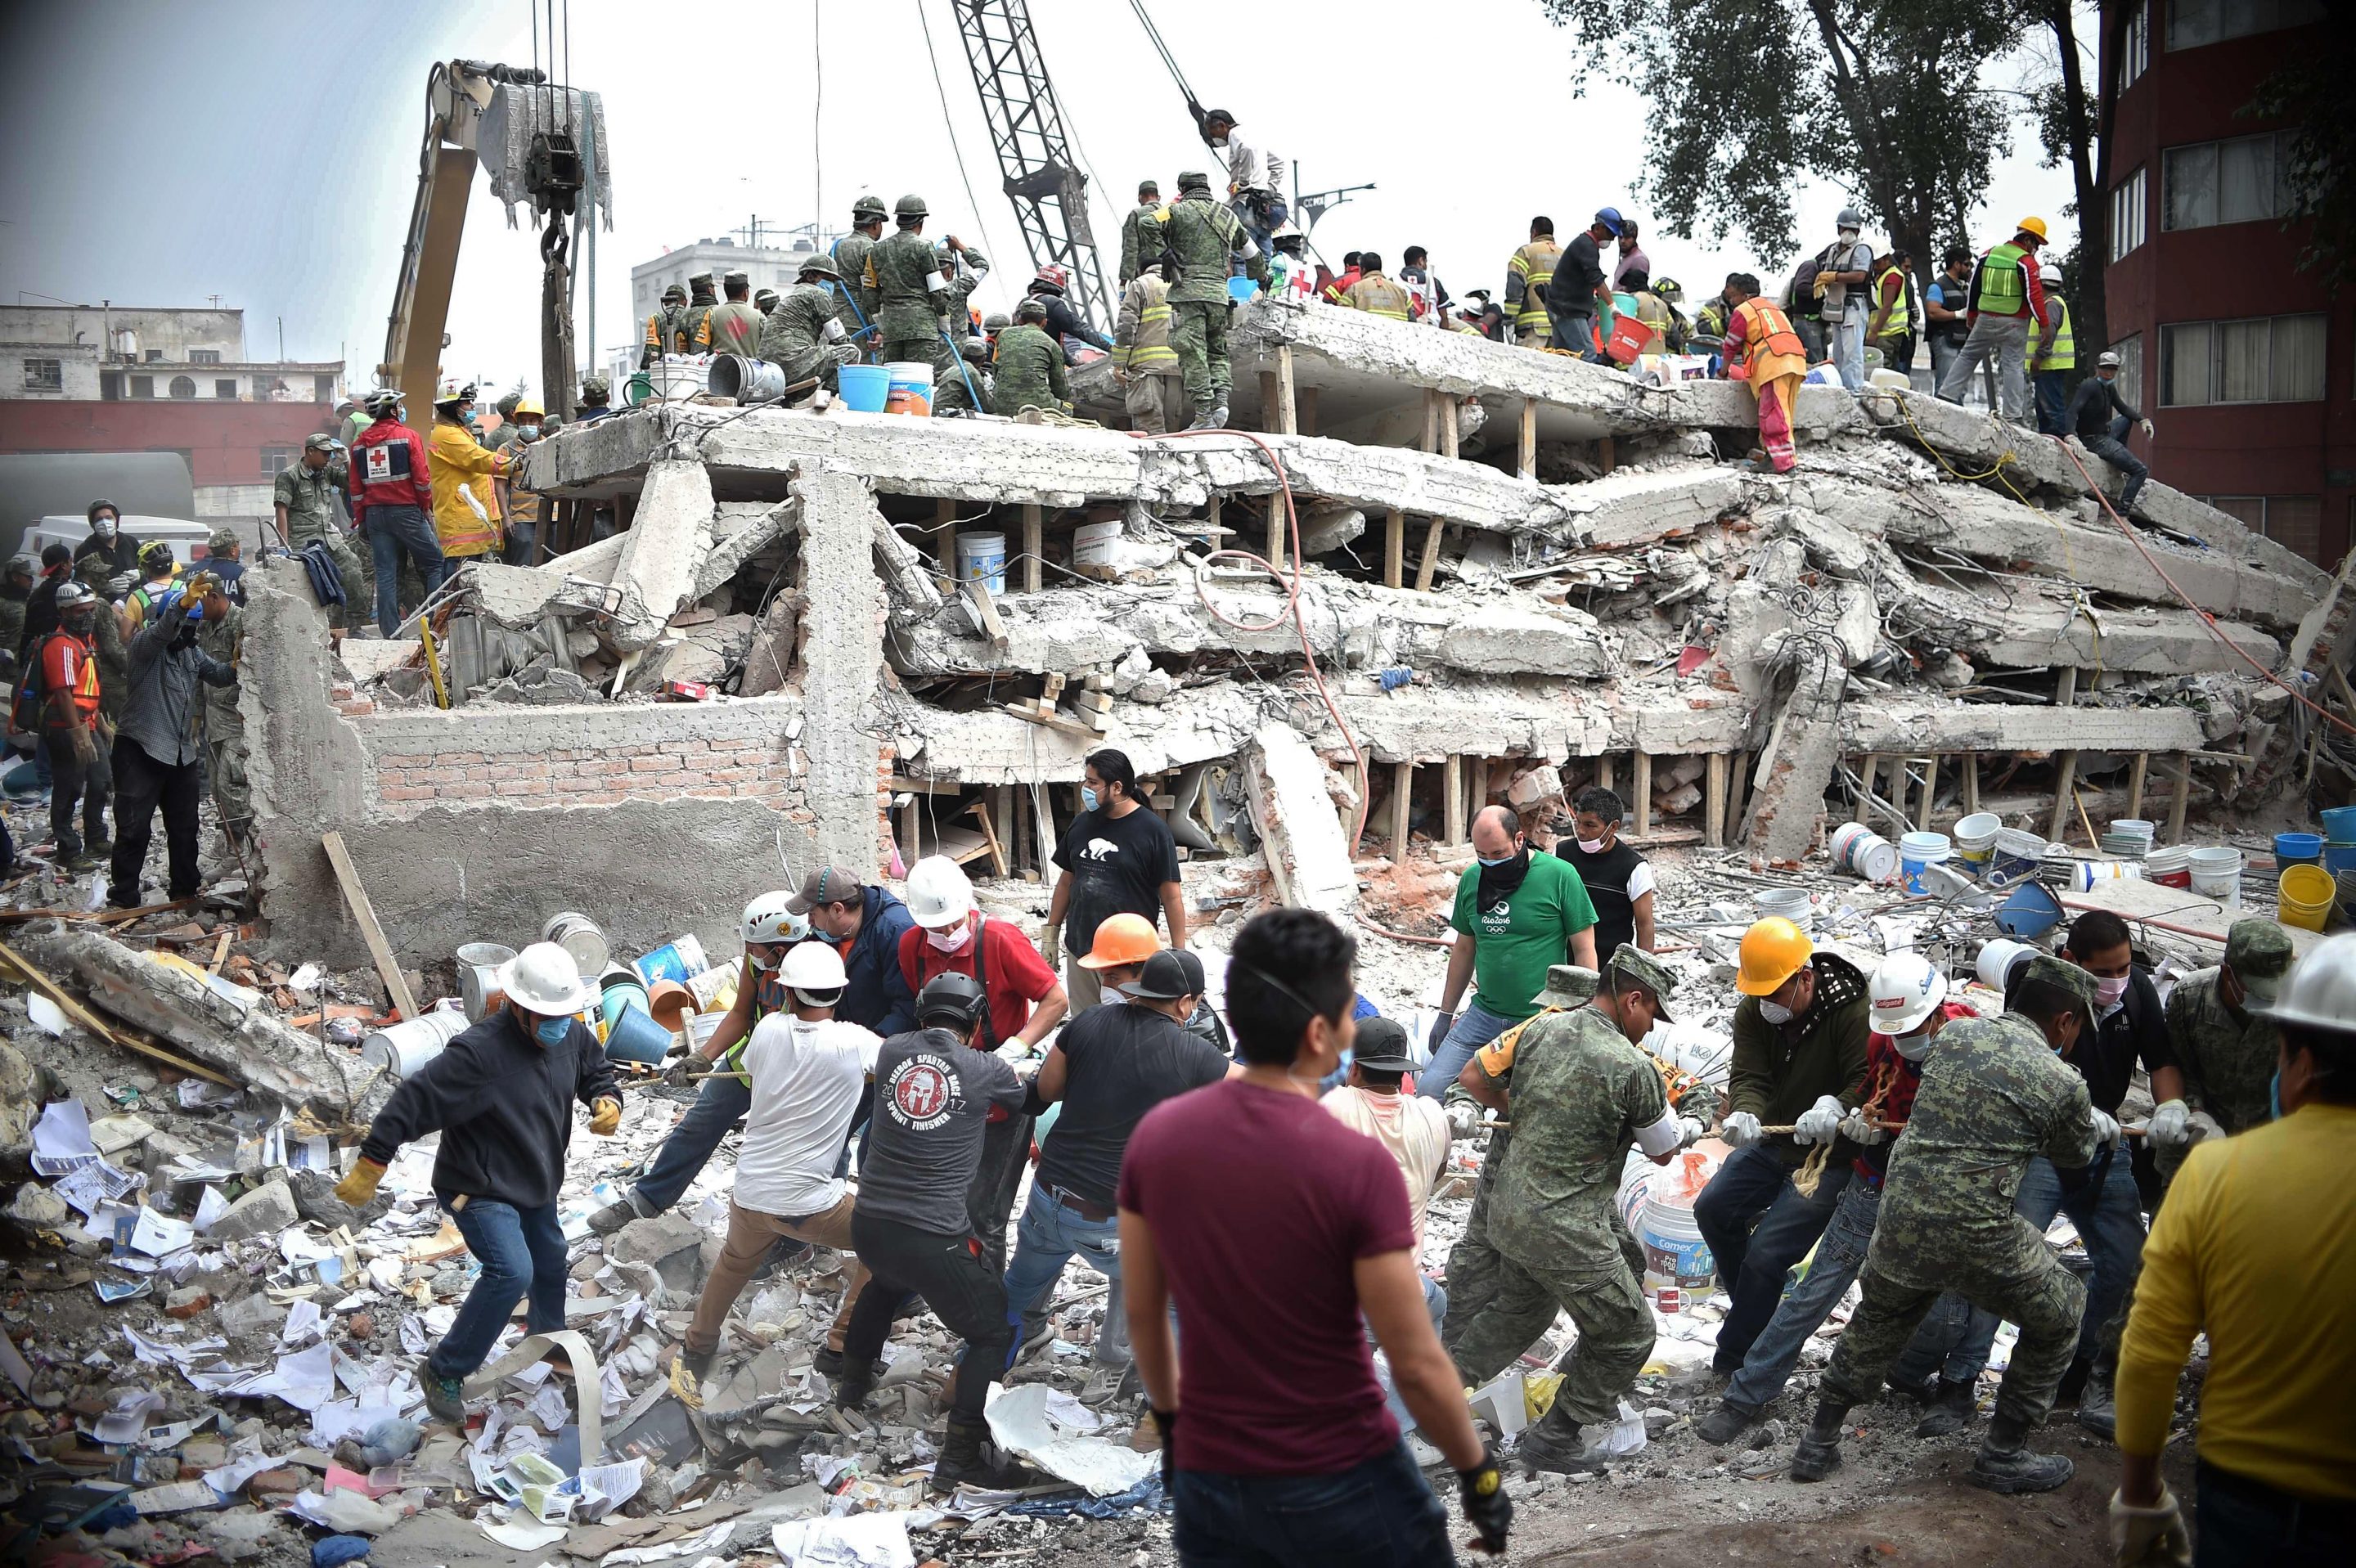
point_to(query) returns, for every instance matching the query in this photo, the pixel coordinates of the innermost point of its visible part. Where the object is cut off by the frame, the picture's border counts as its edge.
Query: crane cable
(925, 21)
(1154, 34)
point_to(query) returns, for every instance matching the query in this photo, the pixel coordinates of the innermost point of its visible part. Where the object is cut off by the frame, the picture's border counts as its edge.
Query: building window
(2295, 522)
(2127, 215)
(2134, 47)
(275, 460)
(2193, 23)
(226, 389)
(2240, 181)
(2276, 359)
(204, 356)
(153, 355)
(45, 375)
(184, 387)
(322, 389)
(143, 386)
(2130, 352)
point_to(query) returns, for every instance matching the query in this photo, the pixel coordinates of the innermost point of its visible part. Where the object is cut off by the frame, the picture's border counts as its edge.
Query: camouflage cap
(220, 539)
(595, 388)
(822, 265)
(1633, 963)
(700, 280)
(676, 292)
(738, 280)
(765, 298)
(2051, 971)
(1568, 986)
(320, 441)
(2257, 949)
(1194, 179)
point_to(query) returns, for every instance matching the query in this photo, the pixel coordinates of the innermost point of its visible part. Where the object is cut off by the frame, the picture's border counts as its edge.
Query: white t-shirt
(807, 1082)
(1414, 1131)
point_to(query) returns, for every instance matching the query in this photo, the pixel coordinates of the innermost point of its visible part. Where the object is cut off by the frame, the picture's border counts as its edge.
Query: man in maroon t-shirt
(1275, 1226)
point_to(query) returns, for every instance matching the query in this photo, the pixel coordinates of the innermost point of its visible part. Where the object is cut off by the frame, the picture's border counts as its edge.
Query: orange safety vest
(79, 663)
(1767, 336)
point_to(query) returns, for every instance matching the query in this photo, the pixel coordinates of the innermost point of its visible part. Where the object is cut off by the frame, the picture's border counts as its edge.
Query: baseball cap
(827, 884)
(1382, 1046)
(1162, 979)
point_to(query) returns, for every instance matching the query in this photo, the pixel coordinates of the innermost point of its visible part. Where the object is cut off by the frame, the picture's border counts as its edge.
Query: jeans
(2243, 1523)
(141, 784)
(1435, 1301)
(963, 1291)
(1380, 1514)
(1845, 333)
(719, 1109)
(2005, 339)
(520, 1250)
(2109, 1217)
(1810, 331)
(393, 532)
(1753, 1259)
(1050, 1233)
(1840, 1255)
(1574, 331)
(72, 780)
(2051, 392)
(1943, 351)
(1476, 1027)
(2113, 449)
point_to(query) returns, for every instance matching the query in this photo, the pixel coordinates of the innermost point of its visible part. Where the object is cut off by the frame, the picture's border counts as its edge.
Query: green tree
(2313, 96)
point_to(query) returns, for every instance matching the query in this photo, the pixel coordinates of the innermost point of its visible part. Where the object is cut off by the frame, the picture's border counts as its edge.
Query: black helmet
(98, 507)
(954, 1001)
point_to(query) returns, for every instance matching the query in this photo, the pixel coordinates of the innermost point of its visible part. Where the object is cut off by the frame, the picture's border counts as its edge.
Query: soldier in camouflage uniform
(1202, 235)
(1135, 254)
(662, 336)
(1583, 1093)
(765, 300)
(949, 393)
(911, 301)
(1030, 366)
(690, 324)
(1994, 1094)
(2227, 1052)
(858, 305)
(224, 639)
(804, 336)
(304, 500)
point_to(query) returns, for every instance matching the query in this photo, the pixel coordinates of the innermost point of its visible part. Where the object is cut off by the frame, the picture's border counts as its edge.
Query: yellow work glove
(360, 1186)
(605, 1117)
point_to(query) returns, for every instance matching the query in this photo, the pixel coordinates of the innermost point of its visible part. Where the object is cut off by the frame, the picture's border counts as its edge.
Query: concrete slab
(1300, 829)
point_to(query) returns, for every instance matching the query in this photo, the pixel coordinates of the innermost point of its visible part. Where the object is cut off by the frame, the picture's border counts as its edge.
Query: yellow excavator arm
(456, 92)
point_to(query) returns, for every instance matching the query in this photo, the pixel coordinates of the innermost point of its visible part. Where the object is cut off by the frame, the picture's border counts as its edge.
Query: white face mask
(1593, 846)
(1913, 1047)
(2107, 992)
(1774, 1012)
(950, 941)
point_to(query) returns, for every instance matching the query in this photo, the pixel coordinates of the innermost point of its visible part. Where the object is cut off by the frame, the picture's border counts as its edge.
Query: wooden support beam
(1526, 457)
(1431, 421)
(1034, 546)
(1455, 800)
(1971, 783)
(1288, 410)
(911, 823)
(2065, 763)
(2182, 800)
(980, 811)
(1276, 531)
(1867, 773)
(1607, 454)
(1402, 790)
(1603, 771)
(1304, 403)
(1002, 807)
(1395, 548)
(943, 535)
(1430, 563)
(1713, 800)
(1642, 782)
(1271, 419)
(1930, 793)
(1448, 424)
(386, 968)
(2135, 783)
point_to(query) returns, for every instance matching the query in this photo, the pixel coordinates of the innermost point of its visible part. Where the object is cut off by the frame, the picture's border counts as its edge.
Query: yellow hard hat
(2033, 225)
(530, 406)
(1773, 950)
(1122, 939)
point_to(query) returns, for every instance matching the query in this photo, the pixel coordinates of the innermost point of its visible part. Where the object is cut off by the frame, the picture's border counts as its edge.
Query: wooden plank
(1971, 783)
(980, 812)
(1603, 771)
(1449, 424)
(1271, 418)
(1867, 771)
(1402, 792)
(1288, 411)
(943, 535)
(1454, 793)
(1034, 545)
(1304, 402)
(2182, 800)
(91, 1022)
(1607, 453)
(912, 826)
(2065, 763)
(1001, 804)
(1930, 794)
(2135, 784)
(1049, 720)
(220, 949)
(355, 895)
(1431, 421)
(1526, 458)
(986, 609)
(903, 785)
(1395, 549)
(1643, 781)
(1423, 573)
(1276, 531)
(1713, 800)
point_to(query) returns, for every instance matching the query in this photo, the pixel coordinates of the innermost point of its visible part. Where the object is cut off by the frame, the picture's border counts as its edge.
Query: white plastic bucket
(1862, 852)
(679, 376)
(404, 1048)
(1916, 850)
(910, 390)
(2171, 867)
(982, 558)
(2086, 874)
(1675, 1253)
(1998, 957)
(2135, 827)
(578, 934)
(2217, 871)
(1791, 903)
(2017, 854)
(1975, 839)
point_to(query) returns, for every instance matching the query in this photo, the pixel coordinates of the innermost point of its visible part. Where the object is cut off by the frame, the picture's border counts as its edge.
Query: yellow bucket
(2306, 893)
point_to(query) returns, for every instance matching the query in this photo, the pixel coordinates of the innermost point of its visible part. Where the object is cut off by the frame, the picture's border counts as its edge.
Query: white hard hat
(544, 979)
(1906, 987)
(767, 920)
(2320, 991)
(938, 892)
(814, 966)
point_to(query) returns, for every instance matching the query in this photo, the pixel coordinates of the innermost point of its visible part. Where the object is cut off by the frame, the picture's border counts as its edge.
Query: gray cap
(2046, 969)
(1633, 963)
(1194, 179)
(2106, 360)
(1568, 986)
(1849, 219)
(2257, 949)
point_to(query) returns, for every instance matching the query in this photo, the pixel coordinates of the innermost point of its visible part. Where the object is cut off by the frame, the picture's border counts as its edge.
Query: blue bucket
(2029, 912)
(2298, 849)
(864, 388)
(637, 1038)
(680, 961)
(2339, 858)
(1242, 290)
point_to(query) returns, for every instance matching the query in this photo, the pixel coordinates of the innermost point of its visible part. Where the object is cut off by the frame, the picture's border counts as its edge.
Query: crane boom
(1035, 155)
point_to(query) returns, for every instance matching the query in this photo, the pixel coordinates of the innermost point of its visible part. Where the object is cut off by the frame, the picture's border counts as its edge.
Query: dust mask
(1913, 1047)
(2107, 992)
(1087, 798)
(1774, 1012)
(1591, 845)
(2259, 991)
(551, 1032)
(952, 941)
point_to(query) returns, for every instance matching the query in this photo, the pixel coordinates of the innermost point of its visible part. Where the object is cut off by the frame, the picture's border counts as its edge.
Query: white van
(189, 541)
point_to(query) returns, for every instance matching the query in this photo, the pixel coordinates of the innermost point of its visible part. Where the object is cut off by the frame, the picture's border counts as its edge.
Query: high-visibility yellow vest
(1534, 263)
(2004, 280)
(2063, 354)
(1900, 316)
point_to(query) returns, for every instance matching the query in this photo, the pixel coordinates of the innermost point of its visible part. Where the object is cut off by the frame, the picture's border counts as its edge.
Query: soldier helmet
(822, 265)
(1194, 179)
(507, 405)
(942, 254)
(202, 583)
(28, 565)
(867, 206)
(996, 321)
(975, 348)
(764, 299)
(910, 206)
(595, 390)
(222, 538)
(675, 294)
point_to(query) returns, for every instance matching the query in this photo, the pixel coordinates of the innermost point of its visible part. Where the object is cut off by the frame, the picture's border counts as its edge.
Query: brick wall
(410, 782)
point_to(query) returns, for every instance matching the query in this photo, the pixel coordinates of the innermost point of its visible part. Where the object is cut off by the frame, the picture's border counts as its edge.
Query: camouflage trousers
(355, 566)
(225, 760)
(1199, 332)
(2041, 1296)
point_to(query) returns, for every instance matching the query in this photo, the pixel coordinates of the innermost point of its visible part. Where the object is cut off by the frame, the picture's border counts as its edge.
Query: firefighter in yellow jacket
(1143, 360)
(466, 501)
(1376, 293)
(1526, 278)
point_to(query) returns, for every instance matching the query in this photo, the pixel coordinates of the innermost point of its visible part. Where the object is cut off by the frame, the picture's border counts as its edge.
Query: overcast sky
(267, 153)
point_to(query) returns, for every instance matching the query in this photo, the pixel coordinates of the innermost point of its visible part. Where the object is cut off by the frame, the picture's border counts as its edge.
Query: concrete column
(844, 658)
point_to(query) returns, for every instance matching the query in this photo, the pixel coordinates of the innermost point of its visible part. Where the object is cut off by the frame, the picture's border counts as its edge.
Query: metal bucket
(578, 934)
(746, 380)
(404, 1048)
(480, 964)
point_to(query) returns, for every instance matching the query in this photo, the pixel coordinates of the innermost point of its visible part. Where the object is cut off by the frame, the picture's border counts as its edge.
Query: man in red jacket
(393, 503)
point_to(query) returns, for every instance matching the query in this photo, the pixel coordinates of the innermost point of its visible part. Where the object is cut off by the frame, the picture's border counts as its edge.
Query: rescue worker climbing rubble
(1029, 367)
(1204, 237)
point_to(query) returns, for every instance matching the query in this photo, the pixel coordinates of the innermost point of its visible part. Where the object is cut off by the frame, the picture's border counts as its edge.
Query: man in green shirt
(1516, 916)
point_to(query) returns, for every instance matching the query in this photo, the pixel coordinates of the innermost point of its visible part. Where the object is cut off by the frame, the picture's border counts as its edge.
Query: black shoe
(968, 1457)
(2098, 1409)
(828, 1363)
(1819, 1454)
(1950, 1411)
(1554, 1445)
(852, 1388)
(2013, 1470)
(1727, 1422)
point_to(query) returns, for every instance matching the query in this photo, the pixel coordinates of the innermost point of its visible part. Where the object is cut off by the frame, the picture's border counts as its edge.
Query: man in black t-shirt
(1117, 858)
(1110, 1066)
(1619, 880)
(934, 1091)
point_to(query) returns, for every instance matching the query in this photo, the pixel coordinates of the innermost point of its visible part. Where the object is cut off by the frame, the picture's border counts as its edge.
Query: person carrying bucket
(962, 268)
(501, 1095)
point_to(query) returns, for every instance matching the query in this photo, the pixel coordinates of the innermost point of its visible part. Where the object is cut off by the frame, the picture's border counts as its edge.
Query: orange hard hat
(1123, 939)
(1773, 950)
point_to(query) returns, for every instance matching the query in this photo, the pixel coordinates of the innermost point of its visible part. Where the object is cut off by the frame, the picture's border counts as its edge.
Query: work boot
(687, 1375)
(1950, 1411)
(1727, 1422)
(2005, 1464)
(852, 1388)
(1203, 420)
(968, 1457)
(1819, 1455)
(1554, 1445)
(1219, 416)
(445, 1398)
(2098, 1409)
(1107, 1385)
(618, 1213)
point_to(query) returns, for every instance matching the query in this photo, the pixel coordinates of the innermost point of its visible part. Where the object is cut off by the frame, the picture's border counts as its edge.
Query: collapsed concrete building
(1501, 573)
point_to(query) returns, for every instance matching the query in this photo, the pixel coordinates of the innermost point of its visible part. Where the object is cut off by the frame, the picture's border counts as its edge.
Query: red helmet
(1055, 276)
